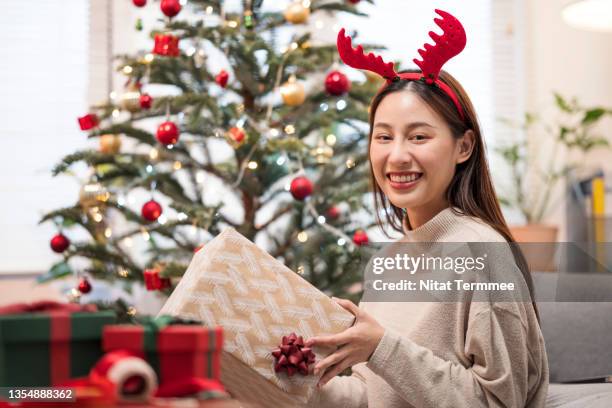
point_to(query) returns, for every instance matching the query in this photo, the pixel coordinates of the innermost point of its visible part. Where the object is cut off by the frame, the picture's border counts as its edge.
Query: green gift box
(47, 343)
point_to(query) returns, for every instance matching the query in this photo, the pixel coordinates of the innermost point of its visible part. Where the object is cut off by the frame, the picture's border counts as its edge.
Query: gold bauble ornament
(130, 99)
(297, 13)
(110, 144)
(322, 153)
(293, 92)
(93, 194)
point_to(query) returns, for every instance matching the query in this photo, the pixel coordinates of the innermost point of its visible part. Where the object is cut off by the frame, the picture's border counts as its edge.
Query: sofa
(577, 330)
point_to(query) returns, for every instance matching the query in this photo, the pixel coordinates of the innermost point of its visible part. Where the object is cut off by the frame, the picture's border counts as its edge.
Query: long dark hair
(471, 190)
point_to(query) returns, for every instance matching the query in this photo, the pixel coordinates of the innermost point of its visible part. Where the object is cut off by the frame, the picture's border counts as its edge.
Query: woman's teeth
(404, 178)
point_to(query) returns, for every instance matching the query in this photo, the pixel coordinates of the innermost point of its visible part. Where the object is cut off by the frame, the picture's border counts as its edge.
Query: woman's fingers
(333, 371)
(348, 305)
(330, 360)
(330, 341)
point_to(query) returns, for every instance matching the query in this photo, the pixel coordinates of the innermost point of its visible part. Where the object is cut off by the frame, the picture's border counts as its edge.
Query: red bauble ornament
(151, 210)
(360, 238)
(170, 7)
(336, 83)
(146, 101)
(301, 188)
(333, 213)
(222, 78)
(167, 133)
(84, 286)
(139, 3)
(354, 1)
(59, 243)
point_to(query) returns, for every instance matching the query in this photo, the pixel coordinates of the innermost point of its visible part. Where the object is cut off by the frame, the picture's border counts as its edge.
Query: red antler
(447, 46)
(355, 58)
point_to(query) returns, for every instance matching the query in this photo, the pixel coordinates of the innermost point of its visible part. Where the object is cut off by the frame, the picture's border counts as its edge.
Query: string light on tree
(322, 153)
(93, 194)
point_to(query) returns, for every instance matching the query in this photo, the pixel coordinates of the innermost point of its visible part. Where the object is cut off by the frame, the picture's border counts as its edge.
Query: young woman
(430, 173)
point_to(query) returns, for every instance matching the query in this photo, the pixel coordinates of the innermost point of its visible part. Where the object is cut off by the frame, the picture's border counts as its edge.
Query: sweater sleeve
(342, 391)
(496, 346)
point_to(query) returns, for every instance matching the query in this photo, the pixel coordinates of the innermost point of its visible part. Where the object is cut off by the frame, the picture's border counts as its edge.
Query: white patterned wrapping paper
(256, 299)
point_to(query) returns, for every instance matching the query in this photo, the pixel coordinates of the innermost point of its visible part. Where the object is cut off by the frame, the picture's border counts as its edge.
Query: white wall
(570, 61)
(43, 82)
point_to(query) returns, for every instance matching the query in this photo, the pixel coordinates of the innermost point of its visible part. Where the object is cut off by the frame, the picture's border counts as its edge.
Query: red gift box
(178, 353)
(88, 121)
(166, 45)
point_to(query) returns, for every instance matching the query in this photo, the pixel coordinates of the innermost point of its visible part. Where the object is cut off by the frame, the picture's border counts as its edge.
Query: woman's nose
(400, 154)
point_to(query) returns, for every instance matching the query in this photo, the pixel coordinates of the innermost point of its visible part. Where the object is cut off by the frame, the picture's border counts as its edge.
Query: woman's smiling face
(412, 152)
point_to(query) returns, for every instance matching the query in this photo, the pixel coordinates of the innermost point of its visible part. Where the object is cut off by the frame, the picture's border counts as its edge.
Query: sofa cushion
(579, 396)
(577, 333)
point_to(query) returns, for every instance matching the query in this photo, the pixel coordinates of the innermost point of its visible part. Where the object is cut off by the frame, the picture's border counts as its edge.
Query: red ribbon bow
(292, 356)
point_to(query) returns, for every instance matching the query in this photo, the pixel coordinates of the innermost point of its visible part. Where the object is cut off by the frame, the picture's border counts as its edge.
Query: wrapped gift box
(47, 343)
(180, 354)
(257, 300)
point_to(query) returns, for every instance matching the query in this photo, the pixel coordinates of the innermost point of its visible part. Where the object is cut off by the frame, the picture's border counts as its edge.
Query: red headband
(447, 45)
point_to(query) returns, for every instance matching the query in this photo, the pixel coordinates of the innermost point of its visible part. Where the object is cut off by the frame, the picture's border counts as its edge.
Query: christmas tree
(249, 147)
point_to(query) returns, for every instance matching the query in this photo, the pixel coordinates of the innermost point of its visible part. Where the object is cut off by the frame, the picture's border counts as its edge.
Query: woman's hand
(356, 344)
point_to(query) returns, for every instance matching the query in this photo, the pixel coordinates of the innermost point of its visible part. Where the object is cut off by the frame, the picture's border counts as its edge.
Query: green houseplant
(536, 169)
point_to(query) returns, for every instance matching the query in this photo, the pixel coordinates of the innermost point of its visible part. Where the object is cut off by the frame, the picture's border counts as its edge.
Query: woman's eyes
(415, 138)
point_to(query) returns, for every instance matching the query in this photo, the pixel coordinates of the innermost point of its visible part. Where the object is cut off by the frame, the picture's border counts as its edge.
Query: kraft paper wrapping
(256, 299)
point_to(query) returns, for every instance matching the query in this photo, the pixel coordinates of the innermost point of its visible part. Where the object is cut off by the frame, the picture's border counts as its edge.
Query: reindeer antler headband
(434, 57)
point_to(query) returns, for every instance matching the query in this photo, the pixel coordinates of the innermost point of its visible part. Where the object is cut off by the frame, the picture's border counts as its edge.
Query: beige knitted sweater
(448, 354)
